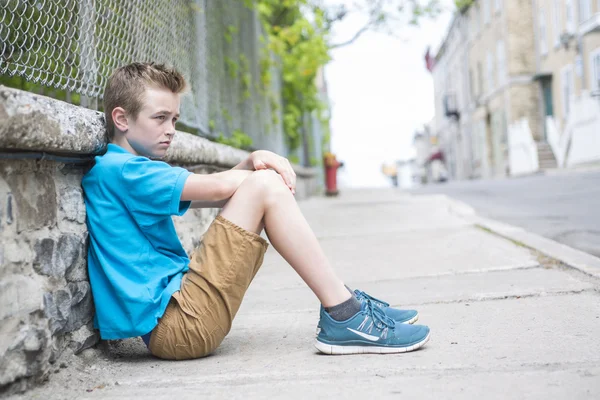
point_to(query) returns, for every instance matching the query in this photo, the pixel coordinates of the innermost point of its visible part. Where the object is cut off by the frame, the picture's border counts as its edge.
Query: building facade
(450, 75)
(568, 63)
(484, 79)
(517, 87)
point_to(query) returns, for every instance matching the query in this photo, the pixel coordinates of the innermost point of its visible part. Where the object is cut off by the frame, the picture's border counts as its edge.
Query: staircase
(546, 156)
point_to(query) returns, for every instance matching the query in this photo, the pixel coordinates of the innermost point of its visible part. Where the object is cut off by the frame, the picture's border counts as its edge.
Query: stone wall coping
(36, 123)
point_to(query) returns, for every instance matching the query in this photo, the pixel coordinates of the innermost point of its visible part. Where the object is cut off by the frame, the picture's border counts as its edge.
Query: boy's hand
(263, 159)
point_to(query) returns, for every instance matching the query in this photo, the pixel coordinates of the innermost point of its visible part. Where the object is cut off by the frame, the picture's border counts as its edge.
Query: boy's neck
(122, 143)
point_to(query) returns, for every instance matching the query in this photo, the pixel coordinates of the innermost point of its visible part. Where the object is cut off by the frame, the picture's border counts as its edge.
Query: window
(595, 70)
(477, 143)
(457, 88)
(501, 59)
(569, 16)
(477, 19)
(556, 29)
(568, 88)
(479, 79)
(585, 10)
(497, 5)
(472, 85)
(490, 71)
(486, 11)
(542, 28)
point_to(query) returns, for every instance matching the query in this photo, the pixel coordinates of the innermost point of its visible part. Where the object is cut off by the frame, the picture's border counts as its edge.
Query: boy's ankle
(344, 310)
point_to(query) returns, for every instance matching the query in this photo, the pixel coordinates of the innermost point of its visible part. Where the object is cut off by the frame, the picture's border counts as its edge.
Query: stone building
(517, 87)
(568, 64)
(501, 78)
(451, 122)
(492, 90)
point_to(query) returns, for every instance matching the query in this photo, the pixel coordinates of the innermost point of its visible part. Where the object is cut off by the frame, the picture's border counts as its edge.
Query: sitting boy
(142, 280)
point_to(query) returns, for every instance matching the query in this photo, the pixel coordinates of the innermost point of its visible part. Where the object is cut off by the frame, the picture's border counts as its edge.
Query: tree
(381, 15)
(299, 35)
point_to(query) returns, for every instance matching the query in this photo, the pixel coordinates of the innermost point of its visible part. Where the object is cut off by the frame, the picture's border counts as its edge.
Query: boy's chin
(158, 152)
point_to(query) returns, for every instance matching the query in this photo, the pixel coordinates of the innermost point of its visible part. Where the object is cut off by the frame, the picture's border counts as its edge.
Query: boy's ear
(120, 119)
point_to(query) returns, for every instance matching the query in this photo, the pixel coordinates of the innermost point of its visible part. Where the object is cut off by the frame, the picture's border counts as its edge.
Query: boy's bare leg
(264, 201)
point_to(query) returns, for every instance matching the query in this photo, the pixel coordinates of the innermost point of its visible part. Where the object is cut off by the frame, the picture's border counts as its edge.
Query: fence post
(87, 51)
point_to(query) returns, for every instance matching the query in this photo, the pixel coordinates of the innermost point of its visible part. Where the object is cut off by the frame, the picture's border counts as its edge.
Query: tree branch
(353, 39)
(374, 19)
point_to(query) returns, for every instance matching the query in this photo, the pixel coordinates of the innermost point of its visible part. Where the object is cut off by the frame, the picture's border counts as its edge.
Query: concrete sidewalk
(506, 322)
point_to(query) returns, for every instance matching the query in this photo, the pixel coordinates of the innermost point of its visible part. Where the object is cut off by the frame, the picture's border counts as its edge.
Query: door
(548, 102)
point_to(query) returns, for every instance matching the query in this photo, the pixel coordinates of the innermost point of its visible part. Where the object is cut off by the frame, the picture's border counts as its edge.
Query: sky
(380, 93)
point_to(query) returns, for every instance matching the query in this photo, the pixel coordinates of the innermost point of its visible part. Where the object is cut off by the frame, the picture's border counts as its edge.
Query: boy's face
(150, 134)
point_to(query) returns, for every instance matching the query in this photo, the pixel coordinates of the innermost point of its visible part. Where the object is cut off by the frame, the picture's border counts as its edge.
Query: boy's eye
(161, 117)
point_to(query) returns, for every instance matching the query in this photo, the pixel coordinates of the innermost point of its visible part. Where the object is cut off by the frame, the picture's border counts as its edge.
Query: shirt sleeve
(153, 190)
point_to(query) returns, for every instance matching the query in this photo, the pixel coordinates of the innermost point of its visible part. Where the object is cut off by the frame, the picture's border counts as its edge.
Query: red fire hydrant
(331, 167)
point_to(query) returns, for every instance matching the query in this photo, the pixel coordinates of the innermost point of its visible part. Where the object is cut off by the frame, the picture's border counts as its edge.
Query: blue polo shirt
(135, 259)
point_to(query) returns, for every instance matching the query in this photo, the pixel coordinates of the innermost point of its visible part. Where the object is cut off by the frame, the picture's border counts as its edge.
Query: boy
(143, 282)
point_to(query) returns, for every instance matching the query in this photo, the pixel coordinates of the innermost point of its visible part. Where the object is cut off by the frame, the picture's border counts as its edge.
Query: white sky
(380, 94)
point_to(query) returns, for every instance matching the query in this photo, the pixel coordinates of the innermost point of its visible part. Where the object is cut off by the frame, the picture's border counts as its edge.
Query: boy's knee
(268, 183)
(267, 179)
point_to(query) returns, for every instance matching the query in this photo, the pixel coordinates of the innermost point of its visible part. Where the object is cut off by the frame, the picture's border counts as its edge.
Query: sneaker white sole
(413, 320)
(340, 350)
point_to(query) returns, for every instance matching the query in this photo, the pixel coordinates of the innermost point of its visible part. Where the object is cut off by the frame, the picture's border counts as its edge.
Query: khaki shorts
(200, 315)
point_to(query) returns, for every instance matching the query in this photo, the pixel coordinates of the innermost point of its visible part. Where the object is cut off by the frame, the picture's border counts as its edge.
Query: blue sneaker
(398, 315)
(369, 331)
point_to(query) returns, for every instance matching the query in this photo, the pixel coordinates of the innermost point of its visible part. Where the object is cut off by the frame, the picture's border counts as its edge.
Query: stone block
(72, 255)
(57, 306)
(59, 257)
(72, 205)
(27, 353)
(69, 308)
(34, 198)
(82, 306)
(16, 251)
(39, 123)
(84, 338)
(19, 295)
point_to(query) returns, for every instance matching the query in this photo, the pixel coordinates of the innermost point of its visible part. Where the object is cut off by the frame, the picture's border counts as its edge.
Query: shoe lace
(378, 318)
(362, 295)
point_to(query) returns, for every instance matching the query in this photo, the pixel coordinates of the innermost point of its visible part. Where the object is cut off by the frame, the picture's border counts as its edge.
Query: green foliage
(462, 4)
(238, 139)
(298, 47)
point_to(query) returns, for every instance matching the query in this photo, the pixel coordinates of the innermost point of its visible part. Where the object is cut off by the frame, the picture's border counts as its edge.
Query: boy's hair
(126, 86)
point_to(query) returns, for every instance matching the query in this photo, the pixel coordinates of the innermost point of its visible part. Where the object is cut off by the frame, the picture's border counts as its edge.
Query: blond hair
(127, 84)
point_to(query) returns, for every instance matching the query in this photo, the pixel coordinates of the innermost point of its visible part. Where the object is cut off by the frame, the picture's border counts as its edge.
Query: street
(563, 206)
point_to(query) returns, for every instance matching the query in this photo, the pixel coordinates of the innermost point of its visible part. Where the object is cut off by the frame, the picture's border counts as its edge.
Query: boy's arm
(264, 159)
(246, 164)
(212, 189)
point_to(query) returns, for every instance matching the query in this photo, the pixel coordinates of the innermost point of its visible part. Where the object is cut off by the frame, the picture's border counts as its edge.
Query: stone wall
(46, 303)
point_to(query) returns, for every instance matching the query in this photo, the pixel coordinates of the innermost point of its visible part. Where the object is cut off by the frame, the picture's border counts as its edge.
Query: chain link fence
(73, 45)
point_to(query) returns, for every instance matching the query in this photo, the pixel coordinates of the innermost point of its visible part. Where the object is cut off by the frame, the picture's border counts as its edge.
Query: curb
(577, 259)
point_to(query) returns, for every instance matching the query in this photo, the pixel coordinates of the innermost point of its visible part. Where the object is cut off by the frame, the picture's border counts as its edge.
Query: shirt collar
(113, 148)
